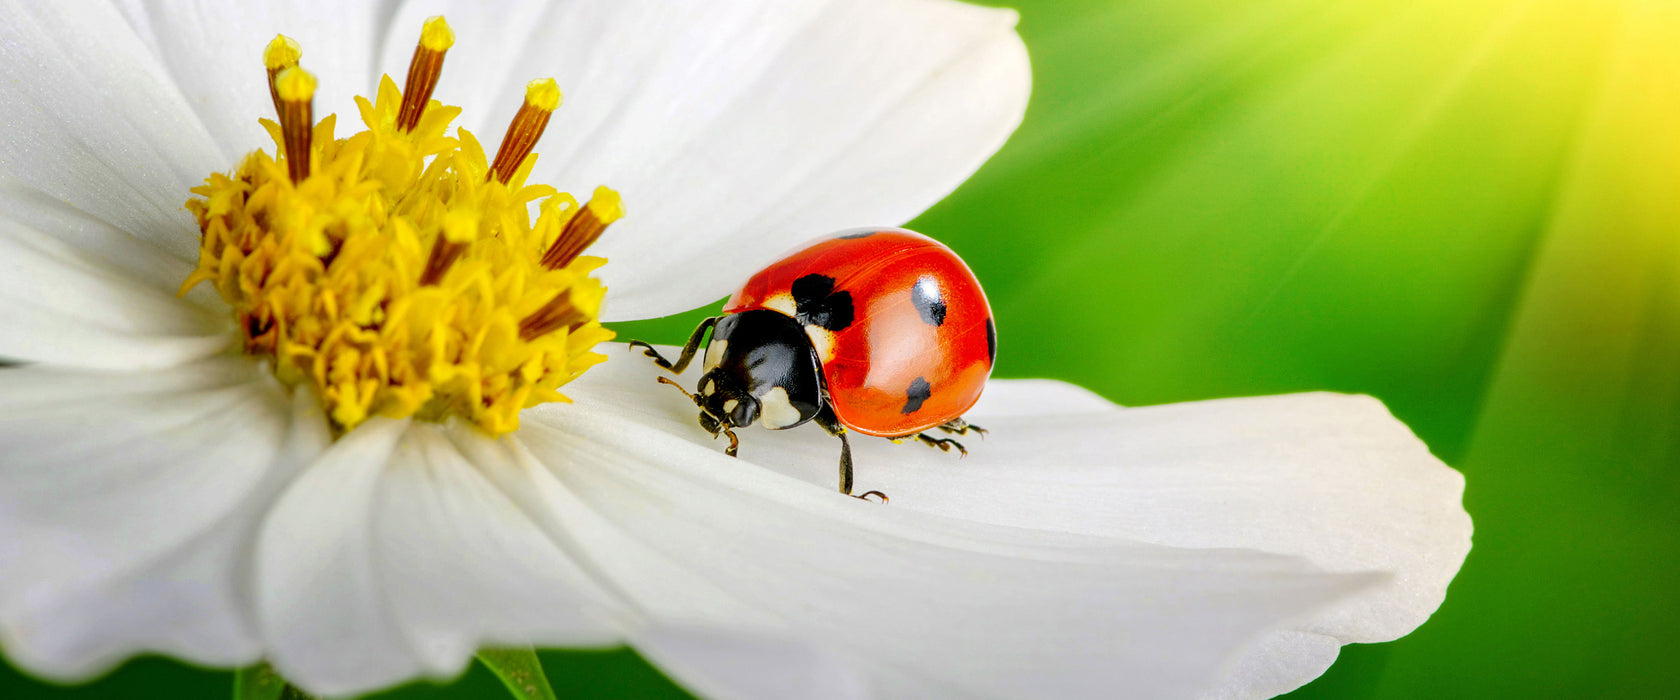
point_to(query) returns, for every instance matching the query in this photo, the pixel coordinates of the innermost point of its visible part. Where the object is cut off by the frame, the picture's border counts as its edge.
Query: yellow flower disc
(398, 277)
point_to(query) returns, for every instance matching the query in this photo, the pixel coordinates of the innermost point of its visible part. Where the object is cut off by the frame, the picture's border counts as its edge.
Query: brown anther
(423, 71)
(444, 253)
(281, 53)
(542, 97)
(456, 233)
(295, 89)
(584, 228)
(556, 314)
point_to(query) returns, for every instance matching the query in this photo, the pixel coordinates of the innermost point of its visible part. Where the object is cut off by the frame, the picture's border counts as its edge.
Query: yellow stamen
(296, 90)
(399, 276)
(582, 231)
(282, 53)
(423, 71)
(559, 312)
(542, 97)
(460, 229)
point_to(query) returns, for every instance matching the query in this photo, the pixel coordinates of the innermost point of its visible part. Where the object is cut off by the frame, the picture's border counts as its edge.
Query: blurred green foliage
(1467, 208)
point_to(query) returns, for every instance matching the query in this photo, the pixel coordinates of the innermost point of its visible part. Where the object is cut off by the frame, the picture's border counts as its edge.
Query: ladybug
(884, 332)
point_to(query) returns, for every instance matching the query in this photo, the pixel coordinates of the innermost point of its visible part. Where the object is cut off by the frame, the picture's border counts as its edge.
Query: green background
(1470, 209)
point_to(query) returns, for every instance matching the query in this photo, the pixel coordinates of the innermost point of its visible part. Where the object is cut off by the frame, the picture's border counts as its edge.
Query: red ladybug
(881, 331)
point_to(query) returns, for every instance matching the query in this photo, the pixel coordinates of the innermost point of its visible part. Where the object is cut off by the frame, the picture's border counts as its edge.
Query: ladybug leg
(944, 444)
(688, 350)
(958, 426)
(734, 442)
(831, 424)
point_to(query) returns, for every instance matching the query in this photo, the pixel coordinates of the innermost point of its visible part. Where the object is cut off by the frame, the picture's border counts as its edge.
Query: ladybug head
(725, 401)
(760, 368)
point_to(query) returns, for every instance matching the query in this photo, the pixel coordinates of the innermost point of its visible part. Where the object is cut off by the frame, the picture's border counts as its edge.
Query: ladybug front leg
(830, 423)
(687, 351)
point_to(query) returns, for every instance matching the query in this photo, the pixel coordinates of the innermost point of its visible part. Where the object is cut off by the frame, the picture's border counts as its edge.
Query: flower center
(399, 272)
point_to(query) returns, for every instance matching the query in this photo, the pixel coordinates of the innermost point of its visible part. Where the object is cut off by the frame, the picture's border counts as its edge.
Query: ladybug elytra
(883, 332)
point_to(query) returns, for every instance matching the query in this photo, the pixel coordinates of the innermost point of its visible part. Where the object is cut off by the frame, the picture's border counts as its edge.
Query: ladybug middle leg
(830, 423)
(944, 444)
(688, 350)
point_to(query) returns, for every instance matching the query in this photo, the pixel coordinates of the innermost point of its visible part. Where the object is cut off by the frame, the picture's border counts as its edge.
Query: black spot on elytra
(853, 236)
(925, 295)
(919, 391)
(991, 340)
(817, 304)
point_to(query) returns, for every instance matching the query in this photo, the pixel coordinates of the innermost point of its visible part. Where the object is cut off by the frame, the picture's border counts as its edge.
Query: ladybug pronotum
(880, 331)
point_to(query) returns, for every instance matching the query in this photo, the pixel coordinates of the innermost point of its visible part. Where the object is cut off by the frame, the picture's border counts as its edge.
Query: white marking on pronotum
(776, 410)
(729, 406)
(714, 355)
(822, 340)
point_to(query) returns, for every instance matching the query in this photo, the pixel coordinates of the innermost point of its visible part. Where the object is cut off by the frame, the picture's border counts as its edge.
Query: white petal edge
(918, 603)
(128, 502)
(737, 129)
(1333, 478)
(731, 665)
(92, 119)
(63, 302)
(393, 556)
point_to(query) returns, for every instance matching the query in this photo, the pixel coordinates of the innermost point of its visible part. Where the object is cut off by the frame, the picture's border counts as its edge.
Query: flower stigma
(398, 272)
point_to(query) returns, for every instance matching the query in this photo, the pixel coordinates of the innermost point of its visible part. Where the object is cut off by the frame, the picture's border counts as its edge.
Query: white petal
(1280, 661)
(1333, 478)
(736, 129)
(213, 53)
(65, 304)
(465, 567)
(127, 505)
(91, 119)
(318, 601)
(922, 604)
(32, 216)
(722, 664)
(393, 556)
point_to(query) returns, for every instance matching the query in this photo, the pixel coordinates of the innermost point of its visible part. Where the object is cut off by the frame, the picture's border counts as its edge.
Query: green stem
(260, 682)
(520, 671)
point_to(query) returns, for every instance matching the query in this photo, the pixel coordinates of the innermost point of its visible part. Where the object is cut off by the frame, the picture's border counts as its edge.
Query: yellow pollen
(436, 34)
(282, 52)
(295, 85)
(544, 94)
(398, 277)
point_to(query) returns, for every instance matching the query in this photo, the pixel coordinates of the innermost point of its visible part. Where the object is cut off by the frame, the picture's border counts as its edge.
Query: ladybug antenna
(721, 426)
(691, 397)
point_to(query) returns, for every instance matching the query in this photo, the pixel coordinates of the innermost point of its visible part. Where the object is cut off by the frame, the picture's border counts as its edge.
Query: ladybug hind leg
(688, 350)
(958, 426)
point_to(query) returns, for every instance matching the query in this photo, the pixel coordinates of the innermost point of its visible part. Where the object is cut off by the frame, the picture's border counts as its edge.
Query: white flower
(161, 492)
